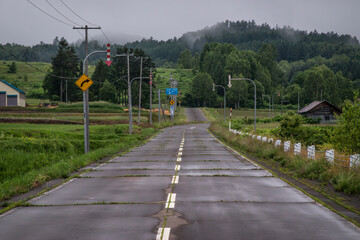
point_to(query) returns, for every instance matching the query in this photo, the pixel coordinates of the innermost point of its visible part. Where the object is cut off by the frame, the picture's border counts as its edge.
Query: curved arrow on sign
(87, 80)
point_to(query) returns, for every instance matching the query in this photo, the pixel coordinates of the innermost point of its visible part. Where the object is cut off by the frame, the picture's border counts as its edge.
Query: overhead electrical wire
(48, 14)
(61, 13)
(77, 14)
(17, 58)
(67, 6)
(105, 35)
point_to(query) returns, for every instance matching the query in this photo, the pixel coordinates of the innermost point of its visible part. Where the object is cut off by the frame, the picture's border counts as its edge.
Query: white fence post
(297, 148)
(329, 155)
(278, 143)
(258, 138)
(271, 140)
(311, 152)
(354, 160)
(264, 139)
(286, 146)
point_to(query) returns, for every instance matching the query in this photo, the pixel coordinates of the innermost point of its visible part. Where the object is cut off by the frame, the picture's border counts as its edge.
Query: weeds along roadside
(341, 179)
(32, 154)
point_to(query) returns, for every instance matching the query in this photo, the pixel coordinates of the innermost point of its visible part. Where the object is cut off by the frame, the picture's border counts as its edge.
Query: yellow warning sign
(84, 82)
(172, 102)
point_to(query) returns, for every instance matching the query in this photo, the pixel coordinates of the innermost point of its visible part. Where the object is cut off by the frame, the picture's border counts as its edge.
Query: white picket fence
(311, 153)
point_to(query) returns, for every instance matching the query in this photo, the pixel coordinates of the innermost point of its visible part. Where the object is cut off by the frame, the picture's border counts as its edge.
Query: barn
(321, 109)
(11, 96)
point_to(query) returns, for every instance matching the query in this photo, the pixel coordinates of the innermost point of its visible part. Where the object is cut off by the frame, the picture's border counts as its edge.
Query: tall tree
(202, 89)
(66, 65)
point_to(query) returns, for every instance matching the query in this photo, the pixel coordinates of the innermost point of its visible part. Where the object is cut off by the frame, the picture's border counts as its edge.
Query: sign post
(84, 83)
(151, 97)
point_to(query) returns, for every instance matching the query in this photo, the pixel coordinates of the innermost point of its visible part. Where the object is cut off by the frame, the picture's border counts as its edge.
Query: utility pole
(66, 95)
(159, 105)
(151, 96)
(141, 64)
(129, 87)
(298, 101)
(86, 93)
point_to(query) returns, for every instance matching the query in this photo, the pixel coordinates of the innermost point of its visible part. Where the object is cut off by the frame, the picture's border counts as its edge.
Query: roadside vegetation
(32, 154)
(341, 178)
(342, 137)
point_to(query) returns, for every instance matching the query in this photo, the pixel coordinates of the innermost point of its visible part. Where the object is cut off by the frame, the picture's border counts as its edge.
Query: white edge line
(52, 190)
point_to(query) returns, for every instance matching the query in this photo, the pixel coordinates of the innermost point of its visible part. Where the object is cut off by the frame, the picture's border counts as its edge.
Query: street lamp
(224, 96)
(246, 79)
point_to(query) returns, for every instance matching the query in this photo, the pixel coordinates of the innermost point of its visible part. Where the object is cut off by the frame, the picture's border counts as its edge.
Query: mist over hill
(291, 44)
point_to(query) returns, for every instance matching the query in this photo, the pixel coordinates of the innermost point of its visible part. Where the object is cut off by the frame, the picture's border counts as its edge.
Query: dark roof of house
(315, 104)
(12, 86)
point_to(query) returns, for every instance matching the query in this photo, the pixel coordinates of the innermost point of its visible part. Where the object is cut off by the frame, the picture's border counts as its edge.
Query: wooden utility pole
(141, 65)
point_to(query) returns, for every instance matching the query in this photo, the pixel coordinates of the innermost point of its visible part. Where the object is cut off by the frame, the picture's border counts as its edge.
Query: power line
(77, 14)
(17, 58)
(61, 13)
(49, 14)
(80, 33)
(105, 35)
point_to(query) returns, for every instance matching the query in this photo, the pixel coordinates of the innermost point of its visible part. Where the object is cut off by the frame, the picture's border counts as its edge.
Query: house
(11, 96)
(320, 109)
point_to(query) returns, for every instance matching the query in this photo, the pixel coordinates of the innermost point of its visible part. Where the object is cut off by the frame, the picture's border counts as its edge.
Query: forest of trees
(110, 82)
(282, 61)
(282, 81)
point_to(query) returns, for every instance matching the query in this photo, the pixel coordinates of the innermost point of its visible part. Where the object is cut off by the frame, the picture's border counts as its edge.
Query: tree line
(283, 82)
(110, 82)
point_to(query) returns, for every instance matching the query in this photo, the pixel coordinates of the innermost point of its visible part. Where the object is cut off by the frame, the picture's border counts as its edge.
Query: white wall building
(11, 96)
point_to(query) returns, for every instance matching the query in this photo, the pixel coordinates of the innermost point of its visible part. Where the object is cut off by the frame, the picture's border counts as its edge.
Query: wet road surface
(182, 184)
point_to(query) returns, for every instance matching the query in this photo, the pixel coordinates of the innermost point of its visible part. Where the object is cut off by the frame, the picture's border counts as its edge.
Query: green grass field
(32, 154)
(28, 78)
(182, 76)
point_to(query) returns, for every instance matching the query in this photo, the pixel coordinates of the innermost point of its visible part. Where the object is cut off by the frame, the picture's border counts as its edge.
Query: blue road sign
(171, 91)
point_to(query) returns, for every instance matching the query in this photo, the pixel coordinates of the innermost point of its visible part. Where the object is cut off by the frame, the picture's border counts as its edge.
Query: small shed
(321, 109)
(11, 96)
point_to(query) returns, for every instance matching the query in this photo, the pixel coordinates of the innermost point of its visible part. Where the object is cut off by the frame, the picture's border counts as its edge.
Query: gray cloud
(163, 19)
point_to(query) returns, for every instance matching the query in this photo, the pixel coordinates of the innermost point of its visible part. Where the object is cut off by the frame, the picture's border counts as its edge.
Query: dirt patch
(37, 121)
(54, 121)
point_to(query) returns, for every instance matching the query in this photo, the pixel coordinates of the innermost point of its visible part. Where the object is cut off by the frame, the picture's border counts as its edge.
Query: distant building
(320, 109)
(11, 96)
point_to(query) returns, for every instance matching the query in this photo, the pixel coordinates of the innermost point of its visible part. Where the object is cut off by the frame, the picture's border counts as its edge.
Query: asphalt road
(182, 184)
(195, 114)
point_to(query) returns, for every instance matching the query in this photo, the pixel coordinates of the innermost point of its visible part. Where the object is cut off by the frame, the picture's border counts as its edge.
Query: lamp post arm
(89, 56)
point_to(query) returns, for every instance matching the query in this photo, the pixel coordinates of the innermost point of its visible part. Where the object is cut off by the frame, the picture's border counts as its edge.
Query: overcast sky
(21, 22)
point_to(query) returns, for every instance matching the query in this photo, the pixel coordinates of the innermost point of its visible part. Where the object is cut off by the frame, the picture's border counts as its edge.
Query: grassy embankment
(262, 115)
(34, 153)
(183, 77)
